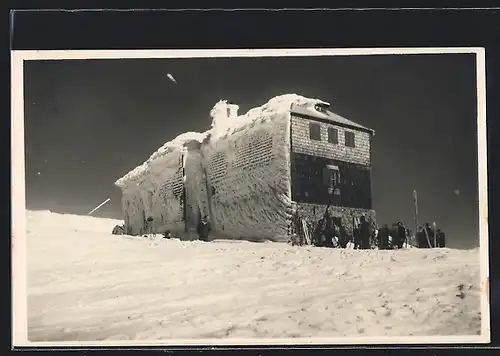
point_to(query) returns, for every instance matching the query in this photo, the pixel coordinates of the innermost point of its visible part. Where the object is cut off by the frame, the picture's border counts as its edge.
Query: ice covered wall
(157, 194)
(197, 204)
(155, 188)
(248, 173)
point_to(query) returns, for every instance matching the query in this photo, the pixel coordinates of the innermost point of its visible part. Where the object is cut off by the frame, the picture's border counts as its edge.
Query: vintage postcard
(248, 197)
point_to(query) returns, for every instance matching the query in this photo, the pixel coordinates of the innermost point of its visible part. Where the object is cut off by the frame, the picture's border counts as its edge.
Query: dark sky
(88, 122)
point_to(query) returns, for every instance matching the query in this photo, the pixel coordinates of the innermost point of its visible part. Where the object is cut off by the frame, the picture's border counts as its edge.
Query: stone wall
(301, 143)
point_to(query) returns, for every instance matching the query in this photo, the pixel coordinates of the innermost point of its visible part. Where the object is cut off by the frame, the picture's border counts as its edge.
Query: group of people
(388, 239)
(329, 232)
(363, 233)
(430, 237)
(398, 236)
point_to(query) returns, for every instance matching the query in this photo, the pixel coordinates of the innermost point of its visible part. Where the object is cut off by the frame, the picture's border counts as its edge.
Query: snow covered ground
(86, 284)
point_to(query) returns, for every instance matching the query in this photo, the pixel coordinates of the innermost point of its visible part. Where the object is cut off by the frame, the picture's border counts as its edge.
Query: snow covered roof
(327, 115)
(173, 145)
(280, 104)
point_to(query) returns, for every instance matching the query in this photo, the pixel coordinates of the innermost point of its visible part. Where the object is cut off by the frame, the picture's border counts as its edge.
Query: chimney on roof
(222, 114)
(232, 111)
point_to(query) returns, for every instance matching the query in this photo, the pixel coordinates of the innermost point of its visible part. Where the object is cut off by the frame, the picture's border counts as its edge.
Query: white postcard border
(18, 243)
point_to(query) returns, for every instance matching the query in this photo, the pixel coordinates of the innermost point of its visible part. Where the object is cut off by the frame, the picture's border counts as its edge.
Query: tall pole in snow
(435, 237)
(415, 204)
(104, 202)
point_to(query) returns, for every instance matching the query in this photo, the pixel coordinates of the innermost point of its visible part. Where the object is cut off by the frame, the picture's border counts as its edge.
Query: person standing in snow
(337, 235)
(343, 236)
(383, 237)
(430, 234)
(401, 235)
(329, 231)
(364, 233)
(204, 229)
(410, 239)
(394, 234)
(356, 236)
(319, 234)
(441, 238)
(421, 238)
(149, 227)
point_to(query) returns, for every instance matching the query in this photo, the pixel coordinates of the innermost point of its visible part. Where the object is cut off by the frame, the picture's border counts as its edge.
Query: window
(335, 176)
(333, 135)
(314, 132)
(349, 139)
(331, 176)
(321, 108)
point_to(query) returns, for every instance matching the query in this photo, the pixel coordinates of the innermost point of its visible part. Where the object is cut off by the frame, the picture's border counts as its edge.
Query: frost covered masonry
(249, 173)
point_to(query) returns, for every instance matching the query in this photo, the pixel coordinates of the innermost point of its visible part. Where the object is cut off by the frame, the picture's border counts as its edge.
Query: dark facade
(330, 165)
(319, 180)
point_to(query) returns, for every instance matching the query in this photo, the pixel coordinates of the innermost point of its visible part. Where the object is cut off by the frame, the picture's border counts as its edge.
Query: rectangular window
(349, 139)
(333, 135)
(331, 176)
(314, 131)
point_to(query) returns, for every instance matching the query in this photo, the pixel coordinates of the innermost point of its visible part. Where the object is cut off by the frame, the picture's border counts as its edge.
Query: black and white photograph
(234, 197)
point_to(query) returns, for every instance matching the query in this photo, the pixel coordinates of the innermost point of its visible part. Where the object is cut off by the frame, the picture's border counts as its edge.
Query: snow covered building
(249, 173)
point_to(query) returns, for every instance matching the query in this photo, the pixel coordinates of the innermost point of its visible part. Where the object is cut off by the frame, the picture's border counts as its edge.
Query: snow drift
(86, 284)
